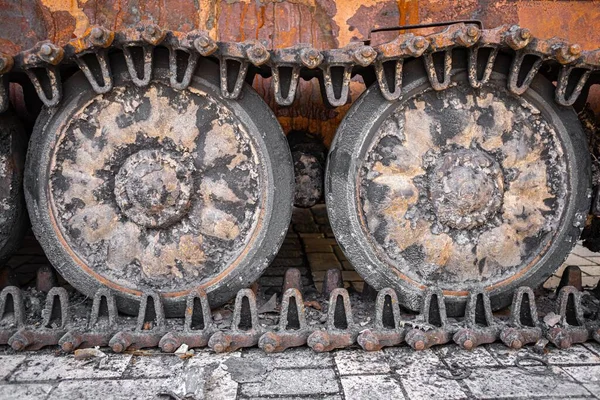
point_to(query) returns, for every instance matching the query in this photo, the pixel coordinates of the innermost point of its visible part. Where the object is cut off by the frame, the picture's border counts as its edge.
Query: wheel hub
(153, 188)
(466, 188)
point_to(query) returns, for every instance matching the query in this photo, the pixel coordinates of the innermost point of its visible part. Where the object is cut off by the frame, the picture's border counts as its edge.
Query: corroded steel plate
(461, 189)
(154, 189)
(13, 215)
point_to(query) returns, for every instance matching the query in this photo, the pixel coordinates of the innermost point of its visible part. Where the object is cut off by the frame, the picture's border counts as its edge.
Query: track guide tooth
(340, 330)
(431, 325)
(571, 328)
(102, 325)
(293, 330)
(150, 327)
(54, 325)
(197, 329)
(388, 329)
(479, 325)
(523, 327)
(245, 329)
(12, 312)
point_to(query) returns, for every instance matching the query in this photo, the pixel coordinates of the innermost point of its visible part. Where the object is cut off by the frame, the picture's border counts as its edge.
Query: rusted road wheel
(155, 189)
(462, 189)
(13, 214)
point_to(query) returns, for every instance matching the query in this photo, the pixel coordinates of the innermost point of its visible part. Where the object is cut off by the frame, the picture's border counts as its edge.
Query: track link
(239, 62)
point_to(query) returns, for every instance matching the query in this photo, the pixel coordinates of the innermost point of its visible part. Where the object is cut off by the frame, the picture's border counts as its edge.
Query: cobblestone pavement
(398, 373)
(491, 371)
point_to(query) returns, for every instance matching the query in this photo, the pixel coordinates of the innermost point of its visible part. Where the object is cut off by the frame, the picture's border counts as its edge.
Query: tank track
(239, 62)
(60, 322)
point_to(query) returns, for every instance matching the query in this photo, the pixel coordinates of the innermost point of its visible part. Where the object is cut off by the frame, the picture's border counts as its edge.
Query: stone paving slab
(372, 387)
(25, 391)
(48, 367)
(393, 373)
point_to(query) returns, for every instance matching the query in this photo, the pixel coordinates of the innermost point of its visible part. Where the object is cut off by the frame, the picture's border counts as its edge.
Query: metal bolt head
(118, 347)
(269, 348)
(17, 345)
(204, 41)
(525, 33)
(468, 344)
(258, 51)
(419, 345)
(575, 49)
(219, 348)
(516, 344)
(97, 33)
(46, 50)
(151, 30)
(472, 31)
(67, 347)
(368, 52)
(419, 42)
(169, 347)
(319, 347)
(311, 57)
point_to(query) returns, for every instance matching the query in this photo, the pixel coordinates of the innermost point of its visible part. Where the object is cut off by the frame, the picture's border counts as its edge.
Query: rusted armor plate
(13, 215)
(461, 189)
(154, 189)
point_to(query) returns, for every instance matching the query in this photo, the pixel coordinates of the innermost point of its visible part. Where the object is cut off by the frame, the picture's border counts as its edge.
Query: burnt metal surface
(156, 189)
(461, 189)
(13, 214)
(323, 24)
(31, 329)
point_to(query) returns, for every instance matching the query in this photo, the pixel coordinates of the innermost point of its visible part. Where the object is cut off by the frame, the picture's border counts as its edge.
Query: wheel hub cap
(153, 188)
(466, 188)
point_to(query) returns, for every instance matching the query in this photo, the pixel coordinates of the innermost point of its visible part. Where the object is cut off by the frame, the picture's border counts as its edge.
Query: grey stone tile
(128, 389)
(352, 362)
(220, 384)
(49, 367)
(154, 366)
(324, 397)
(588, 375)
(290, 382)
(8, 364)
(583, 251)
(574, 259)
(418, 372)
(400, 357)
(593, 347)
(371, 387)
(487, 383)
(577, 354)
(478, 357)
(292, 358)
(27, 391)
